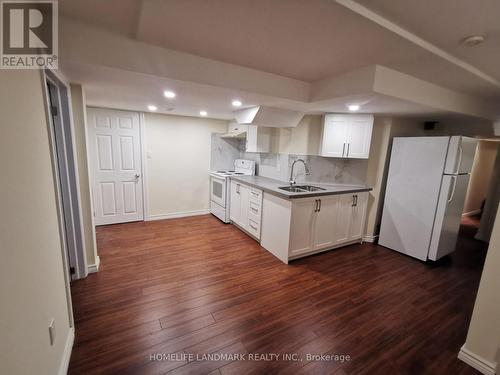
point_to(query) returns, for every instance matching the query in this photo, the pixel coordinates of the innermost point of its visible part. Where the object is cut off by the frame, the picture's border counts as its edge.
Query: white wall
(483, 338)
(32, 284)
(179, 163)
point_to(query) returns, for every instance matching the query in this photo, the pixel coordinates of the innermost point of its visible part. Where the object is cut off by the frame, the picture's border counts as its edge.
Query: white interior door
(115, 165)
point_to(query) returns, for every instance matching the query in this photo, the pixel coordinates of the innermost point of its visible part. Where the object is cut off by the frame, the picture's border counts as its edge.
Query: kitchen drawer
(255, 208)
(256, 195)
(253, 217)
(254, 228)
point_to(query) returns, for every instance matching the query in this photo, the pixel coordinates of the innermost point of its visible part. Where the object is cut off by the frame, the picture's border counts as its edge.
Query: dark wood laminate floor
(196, 285)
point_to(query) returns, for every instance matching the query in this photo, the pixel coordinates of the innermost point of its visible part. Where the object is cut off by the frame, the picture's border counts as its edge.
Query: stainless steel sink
(301, 188)
(310, 188)
(292, 189)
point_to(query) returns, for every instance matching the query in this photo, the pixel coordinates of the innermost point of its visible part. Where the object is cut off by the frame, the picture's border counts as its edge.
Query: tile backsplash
(278, 166)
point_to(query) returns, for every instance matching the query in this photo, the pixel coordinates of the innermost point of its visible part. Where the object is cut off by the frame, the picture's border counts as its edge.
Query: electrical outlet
(52, 332)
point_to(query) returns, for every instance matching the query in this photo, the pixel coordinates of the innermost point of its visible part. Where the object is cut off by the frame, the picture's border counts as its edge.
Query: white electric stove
(219, 187)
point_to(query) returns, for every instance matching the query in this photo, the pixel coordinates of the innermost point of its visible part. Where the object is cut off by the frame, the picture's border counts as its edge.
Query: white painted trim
(82, 264)
(477, 362)
(370, 238)
(93, 268)
(77, 253)
(145, 196)
(391, 26)
(68, 348)
(175, 215)
(472, 213)
(92, 210)
(58, 198)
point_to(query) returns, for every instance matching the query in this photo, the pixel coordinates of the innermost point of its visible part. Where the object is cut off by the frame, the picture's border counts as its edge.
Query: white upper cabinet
(347, 136)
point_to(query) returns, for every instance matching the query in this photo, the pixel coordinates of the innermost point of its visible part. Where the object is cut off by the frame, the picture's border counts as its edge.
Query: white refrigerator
(425, 194)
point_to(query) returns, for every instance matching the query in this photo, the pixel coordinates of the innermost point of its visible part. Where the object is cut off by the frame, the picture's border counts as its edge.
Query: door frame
(142, 152)
(73, 252)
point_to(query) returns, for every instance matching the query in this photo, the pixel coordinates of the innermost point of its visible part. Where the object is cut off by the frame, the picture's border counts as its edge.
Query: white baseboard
(370, 238)
(472, 213)
(68, 347)
(475, 361)
(175, 215)
(93, 268)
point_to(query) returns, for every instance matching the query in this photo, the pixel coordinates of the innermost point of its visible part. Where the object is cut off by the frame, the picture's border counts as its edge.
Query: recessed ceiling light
(353, 107)
(169, 94)
(236, 103)
(473, 40)
(203, 113)
(152, 107)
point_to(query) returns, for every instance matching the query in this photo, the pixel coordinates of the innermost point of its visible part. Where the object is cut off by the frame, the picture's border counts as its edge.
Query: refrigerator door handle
(453, 190)
(460, 155)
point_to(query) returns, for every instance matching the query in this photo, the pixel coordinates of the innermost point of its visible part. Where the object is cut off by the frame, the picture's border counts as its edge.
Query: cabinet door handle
(316, 206)
(348, 146)
(238, 188)
(343, 149)
(354, 200)
(319, 209)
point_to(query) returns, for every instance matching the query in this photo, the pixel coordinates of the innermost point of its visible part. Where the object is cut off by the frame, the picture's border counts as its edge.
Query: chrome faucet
(292, 180)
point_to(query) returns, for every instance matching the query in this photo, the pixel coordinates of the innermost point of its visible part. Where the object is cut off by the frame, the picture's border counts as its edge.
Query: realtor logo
(28, 35)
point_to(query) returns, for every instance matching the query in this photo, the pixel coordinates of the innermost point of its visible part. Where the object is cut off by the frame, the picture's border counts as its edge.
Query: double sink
(300, 188)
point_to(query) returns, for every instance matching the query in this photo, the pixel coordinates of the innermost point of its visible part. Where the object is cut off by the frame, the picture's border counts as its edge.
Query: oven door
(218, 190)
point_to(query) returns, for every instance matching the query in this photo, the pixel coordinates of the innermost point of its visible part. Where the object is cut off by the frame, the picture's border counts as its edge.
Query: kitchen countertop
(272, 186)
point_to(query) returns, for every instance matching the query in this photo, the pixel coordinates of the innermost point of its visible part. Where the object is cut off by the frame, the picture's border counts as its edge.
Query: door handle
(460, 156)
(343, 149)
(348, 147)
(136, 176)
(454, 187)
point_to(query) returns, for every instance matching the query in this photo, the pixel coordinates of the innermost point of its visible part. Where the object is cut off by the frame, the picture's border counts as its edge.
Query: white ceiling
(308, 40)
(112, 88)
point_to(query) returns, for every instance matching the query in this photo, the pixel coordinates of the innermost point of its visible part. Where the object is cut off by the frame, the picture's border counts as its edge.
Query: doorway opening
(483, 194)
(66, 172)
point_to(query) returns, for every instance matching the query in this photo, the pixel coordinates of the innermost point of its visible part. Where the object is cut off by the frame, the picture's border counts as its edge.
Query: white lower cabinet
(300, 227)
(303, 222)
(245, 207)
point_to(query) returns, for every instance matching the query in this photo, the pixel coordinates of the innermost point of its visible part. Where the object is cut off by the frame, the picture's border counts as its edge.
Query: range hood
(235, 134)
(268, 116)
